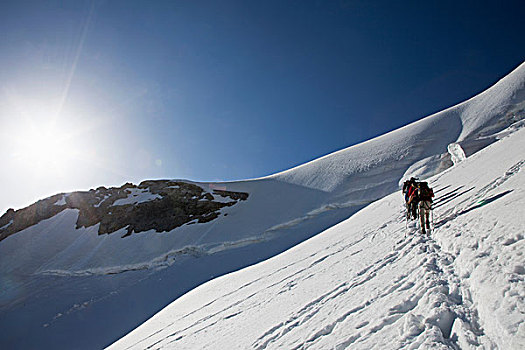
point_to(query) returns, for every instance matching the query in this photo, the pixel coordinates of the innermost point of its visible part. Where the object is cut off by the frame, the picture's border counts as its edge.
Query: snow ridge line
(160, 262)
(171, 256)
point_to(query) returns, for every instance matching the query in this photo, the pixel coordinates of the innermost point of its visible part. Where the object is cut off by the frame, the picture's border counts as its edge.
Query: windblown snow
(361, 278)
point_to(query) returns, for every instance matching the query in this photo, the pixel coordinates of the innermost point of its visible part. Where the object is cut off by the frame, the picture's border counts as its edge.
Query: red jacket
(412, 192)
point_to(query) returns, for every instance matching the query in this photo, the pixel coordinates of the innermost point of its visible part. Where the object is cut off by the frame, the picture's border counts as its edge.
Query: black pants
(412, 209)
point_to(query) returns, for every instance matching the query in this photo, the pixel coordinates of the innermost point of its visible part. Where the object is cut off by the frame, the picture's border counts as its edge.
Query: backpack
(406, 186)
(425, 192)
(412, 195)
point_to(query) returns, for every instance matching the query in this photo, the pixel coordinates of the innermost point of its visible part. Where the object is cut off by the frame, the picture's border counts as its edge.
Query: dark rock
(180, 203)
(233, 195)
(29, 216)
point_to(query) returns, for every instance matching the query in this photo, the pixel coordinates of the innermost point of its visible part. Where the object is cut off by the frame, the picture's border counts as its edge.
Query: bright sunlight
(44, 146)
(41, 143)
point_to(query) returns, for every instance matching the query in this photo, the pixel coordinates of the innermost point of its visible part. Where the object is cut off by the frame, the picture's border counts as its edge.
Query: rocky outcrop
(233, 195)
(160, 205)
(16, 220)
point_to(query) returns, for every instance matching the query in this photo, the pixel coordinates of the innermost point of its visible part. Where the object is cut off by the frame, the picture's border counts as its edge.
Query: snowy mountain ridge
(470, 124)
(372, 283)
(347, 179)
(60, 277)
(152, 205)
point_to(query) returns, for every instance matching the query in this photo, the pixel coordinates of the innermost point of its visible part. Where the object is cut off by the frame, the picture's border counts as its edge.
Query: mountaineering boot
(423, 230)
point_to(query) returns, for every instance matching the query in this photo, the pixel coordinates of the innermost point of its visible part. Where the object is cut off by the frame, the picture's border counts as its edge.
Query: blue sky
(225, 90)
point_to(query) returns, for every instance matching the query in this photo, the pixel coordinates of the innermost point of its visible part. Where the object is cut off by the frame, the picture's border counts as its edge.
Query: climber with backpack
(406, 186)
(411, 197)
(425, 194)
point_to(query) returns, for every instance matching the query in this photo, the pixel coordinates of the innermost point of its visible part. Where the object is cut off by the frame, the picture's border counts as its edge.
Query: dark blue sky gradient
(221, 90)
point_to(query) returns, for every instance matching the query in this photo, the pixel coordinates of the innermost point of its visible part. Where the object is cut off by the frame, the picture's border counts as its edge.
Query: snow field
(344, 180)
(363, 284)
(485, 232)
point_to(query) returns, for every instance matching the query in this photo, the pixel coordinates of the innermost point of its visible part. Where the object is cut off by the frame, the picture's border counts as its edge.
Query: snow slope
(365, 284)
(345, 180)
(65, 284)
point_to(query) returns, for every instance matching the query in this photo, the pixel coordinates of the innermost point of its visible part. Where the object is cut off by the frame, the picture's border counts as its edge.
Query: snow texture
(369, 283)
(358, 283)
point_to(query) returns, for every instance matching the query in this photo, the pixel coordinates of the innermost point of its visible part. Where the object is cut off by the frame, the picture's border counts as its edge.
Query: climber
(410, 192)
(425, 194)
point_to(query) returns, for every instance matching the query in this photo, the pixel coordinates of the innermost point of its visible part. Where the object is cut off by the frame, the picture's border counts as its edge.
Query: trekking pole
(407, 218)
(406, 225)
(432, 216)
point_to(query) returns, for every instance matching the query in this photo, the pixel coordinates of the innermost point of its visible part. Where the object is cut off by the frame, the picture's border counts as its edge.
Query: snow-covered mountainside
(80, 270)
(372, 283)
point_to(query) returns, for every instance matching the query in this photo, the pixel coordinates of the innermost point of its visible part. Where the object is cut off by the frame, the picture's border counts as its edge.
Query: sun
(45, 146)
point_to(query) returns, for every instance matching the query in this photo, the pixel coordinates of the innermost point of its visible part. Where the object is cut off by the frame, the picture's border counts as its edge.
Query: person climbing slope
(410, 192)
(425, 194)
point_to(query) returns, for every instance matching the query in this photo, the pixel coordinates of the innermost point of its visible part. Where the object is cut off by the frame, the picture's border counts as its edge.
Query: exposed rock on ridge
(160, 205)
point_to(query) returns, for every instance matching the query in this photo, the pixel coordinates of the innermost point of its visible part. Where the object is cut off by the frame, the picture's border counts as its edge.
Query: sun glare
(45, 146)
